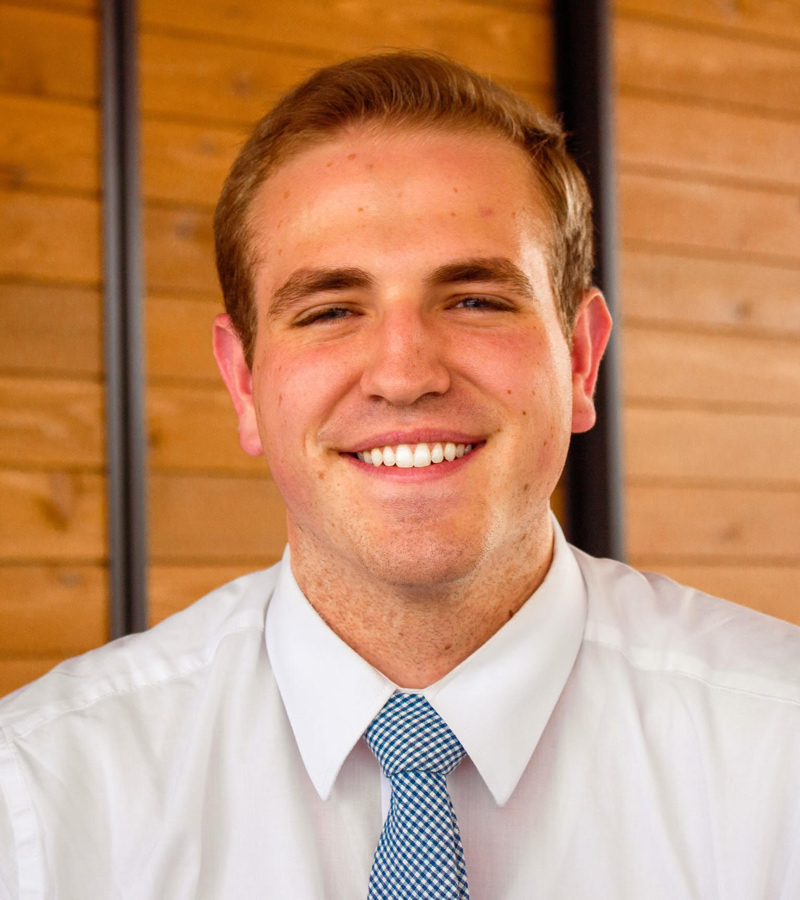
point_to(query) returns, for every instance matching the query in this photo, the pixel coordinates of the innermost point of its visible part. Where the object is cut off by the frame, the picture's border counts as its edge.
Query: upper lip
(417, 436)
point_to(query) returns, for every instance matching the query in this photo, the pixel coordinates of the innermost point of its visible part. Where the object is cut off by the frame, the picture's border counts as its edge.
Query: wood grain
(14, 673)
(689, 63)
(683, 366)
(48, 144)
(52, 516)
(187, 163)
(191, 77)
(195, 428)
(51, 238)
(722, 294)
(179, 250)
(774, 590)
(215, 519)
(173, 588)
(696, 524)
(179, 338)
(50, 329)
(45, 53)
(709, 217)
(52, 610)
(702, 446)
(51, 423)
(777, 19)
(702, 140)
(510, 42)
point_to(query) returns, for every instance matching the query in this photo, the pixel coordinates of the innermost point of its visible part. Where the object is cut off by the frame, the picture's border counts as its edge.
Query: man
(432, 695)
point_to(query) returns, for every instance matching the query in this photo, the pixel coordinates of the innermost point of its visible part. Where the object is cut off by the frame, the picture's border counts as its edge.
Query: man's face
(403, 299)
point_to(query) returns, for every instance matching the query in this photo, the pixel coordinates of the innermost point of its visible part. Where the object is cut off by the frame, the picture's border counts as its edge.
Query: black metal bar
(585, 92)
(124, 358)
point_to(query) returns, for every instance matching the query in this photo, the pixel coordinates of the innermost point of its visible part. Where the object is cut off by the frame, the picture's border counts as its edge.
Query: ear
(236, 374)
(589, 339)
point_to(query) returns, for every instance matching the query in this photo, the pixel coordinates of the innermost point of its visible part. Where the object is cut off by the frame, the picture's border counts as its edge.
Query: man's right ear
(229, 354)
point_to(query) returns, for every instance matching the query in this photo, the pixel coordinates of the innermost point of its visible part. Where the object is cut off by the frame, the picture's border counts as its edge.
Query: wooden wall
(210, 69)
(52, 530)
(709, 187)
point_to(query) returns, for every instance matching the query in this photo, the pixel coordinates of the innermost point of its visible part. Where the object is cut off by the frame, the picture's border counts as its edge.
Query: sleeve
(20, 860)
(8, 853)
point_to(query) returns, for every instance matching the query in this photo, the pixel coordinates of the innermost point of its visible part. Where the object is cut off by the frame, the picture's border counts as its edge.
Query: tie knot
(408, 734)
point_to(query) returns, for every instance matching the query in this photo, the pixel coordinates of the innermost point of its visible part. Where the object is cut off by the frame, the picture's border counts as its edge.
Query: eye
(480, 301)
(325, 314)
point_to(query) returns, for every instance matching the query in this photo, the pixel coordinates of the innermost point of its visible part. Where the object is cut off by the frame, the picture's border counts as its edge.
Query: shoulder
(181, 646)
(660, 626)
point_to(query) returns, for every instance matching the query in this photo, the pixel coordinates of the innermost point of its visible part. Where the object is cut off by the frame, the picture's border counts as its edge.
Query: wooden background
(709, 190)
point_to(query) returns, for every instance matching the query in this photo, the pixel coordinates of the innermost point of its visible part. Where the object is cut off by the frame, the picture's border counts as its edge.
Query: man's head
(403, 91)
(409, 282)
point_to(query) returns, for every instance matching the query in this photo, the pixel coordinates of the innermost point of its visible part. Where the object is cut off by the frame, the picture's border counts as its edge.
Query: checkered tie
(419, 855)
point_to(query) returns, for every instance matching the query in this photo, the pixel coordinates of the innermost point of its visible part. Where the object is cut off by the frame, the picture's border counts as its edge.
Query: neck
(416, 634)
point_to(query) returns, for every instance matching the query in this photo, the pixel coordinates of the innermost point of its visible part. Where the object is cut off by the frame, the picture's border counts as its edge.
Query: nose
(405, 359)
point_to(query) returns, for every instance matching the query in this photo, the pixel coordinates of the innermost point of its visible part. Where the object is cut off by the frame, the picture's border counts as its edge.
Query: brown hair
(402, 89)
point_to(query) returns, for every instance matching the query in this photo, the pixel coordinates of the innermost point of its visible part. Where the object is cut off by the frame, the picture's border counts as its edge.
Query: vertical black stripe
(125, 423)
(585, 94)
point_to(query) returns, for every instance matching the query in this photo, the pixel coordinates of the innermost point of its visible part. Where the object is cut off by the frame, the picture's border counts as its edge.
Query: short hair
(403, 90)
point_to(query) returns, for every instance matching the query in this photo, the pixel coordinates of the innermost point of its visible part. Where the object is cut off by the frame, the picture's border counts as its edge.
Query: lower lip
(414, 474)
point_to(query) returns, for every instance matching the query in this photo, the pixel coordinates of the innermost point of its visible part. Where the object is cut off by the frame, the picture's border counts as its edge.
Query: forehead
(401, 191)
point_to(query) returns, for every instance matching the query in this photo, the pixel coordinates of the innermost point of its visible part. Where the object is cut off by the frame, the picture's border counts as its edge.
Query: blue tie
(419, 855)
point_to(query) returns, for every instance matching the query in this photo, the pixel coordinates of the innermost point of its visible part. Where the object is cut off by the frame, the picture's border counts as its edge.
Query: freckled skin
(396, 567)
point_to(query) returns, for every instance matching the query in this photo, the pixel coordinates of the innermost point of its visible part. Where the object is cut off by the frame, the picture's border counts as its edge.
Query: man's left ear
(589, 339)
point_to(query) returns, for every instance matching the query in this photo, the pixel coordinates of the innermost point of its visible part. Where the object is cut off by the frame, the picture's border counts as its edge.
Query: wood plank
(774, 590)
(194, 428)
(679, 366)
(14, 673)
(179, 250)
(696, 524)
(187, 163)
(48, 144)
(179, 338)
(51, 423)
(764, 18)
(724, 294)
(703, 446)
(173, 588)
(50, 329)
(45, 53)
(699, 139)
(52, 610)
(215, 519)
(683, 62)
(709, 217)
(52, 516)
(51, 238)
(510, 42)
(190, 77)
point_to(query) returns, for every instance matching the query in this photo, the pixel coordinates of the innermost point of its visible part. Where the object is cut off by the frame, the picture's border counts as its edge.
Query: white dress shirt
(626, 737)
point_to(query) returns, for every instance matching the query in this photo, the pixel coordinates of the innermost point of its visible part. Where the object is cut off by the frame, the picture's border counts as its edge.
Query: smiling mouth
(418, 456)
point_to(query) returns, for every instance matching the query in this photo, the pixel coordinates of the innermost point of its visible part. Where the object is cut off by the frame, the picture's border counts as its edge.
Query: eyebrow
(495, 269)
(308, 281)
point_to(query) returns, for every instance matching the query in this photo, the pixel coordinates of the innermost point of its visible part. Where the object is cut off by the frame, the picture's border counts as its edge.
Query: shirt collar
(497, 701)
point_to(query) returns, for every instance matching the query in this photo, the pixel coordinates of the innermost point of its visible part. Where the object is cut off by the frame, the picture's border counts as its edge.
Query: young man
(433, 695)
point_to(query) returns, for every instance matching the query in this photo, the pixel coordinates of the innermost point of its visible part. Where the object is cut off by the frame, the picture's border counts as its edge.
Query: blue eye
(478, 302)
(324, 315)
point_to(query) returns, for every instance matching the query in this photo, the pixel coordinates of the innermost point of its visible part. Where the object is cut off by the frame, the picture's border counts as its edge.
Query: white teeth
(404, 457)
(422, 455)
